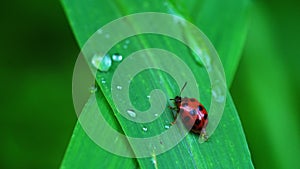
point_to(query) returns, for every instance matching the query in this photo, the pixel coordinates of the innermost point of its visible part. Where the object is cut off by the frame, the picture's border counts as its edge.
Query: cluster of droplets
(103, 63)
(125, 46)
(103, 81)
(119, 87)
(132, 114)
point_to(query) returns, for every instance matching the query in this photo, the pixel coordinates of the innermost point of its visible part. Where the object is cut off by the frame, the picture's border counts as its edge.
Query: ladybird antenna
(182, 88)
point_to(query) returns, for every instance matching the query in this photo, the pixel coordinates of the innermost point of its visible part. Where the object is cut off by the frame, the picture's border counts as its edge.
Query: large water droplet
(101, 63)
(117, 57)
(119, 87)
(131, 113)
(167, 126)
(197, 56)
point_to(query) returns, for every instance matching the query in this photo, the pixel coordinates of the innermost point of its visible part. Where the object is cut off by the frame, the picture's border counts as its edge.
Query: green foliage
(227, 147)
(265, 82)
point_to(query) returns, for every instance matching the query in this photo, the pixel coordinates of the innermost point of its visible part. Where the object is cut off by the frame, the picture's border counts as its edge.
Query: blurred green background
(39, 52)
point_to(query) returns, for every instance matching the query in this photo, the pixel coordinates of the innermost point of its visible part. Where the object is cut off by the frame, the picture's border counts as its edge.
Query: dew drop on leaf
(145, 129)
(117, 57)
(218, 96)
(131, 113)
(119, 87)
(93, 89)
(101, 63)
(103, 80)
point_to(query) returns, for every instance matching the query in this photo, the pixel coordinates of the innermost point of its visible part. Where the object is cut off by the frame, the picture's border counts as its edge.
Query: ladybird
(193, 114)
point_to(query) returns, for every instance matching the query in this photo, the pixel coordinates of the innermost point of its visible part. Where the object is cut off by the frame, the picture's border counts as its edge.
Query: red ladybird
(192, 113)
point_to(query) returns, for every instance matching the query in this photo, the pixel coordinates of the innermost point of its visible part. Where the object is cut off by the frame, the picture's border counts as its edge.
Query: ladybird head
(177, 99)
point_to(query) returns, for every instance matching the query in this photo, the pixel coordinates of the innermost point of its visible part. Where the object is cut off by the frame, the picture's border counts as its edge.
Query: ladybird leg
(203, 134)
(175, 117)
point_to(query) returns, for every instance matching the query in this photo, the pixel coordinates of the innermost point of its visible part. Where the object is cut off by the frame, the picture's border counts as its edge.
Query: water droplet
(197, 56)
(148, 96)
(101, 63)
(125, 46)
(107, 36)
(119, 87)
(153, 159)
(103, 80)
(127, 41)
(207, 61)
(214, 93)
(167, 126)
(116, 140)
(99, 31)
(117, 57)
(177, 17)
(154, 162)
(155, 114)
(93, 89)
(219, 97)
(131, 113)
(145, 129)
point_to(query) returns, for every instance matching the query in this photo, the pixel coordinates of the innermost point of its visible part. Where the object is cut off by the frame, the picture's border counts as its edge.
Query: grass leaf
(226, 148)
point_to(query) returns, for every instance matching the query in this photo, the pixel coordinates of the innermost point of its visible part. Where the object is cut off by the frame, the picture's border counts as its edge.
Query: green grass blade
(84, 153)
(227, 147)
(225, 23)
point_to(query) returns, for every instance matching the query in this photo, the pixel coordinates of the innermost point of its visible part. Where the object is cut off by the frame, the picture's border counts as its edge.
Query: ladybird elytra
(192, 113)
